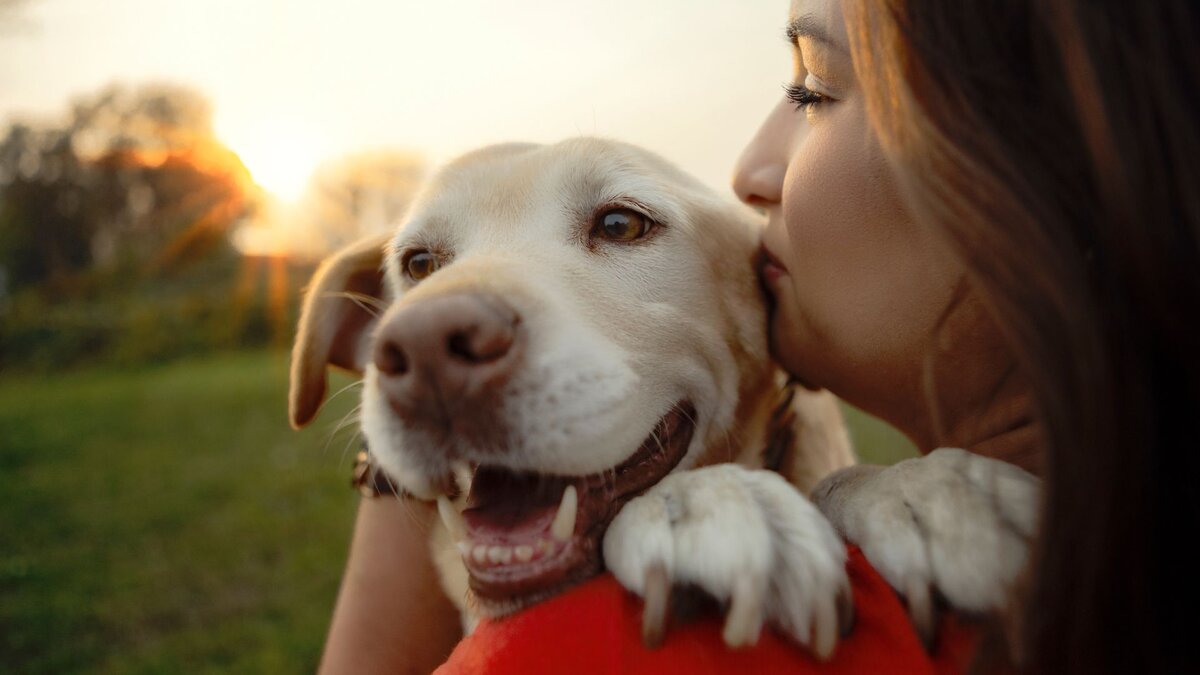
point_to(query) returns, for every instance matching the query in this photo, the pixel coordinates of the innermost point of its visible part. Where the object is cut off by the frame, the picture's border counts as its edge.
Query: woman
(985, 225)
(1047, 156)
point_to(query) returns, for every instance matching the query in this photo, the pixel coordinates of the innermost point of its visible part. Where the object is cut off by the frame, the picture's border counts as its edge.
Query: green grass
(167, 519)
(874, 441)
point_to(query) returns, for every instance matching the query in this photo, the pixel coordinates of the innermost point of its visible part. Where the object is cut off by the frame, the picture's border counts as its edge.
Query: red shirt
(596, 628)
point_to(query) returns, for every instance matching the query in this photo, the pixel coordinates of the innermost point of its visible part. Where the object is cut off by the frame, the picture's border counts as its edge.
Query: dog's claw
(920, 609)
(733, 533)
(825, 627)
(744, 621)
(846, 616)
(657, 605)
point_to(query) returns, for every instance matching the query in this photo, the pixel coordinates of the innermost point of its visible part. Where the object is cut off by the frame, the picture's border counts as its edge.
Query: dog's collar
(781, 432)
(369, 479)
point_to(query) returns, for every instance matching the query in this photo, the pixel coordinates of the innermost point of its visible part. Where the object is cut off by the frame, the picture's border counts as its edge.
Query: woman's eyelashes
(805, 99)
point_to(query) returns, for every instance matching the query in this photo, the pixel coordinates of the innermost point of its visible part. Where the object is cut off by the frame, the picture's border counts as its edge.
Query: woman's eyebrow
(808, 26)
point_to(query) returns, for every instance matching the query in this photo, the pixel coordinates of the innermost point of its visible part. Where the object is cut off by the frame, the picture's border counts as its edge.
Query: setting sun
(281, 157)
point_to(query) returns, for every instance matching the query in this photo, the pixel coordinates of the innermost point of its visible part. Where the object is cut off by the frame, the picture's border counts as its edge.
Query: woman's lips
(770, 269)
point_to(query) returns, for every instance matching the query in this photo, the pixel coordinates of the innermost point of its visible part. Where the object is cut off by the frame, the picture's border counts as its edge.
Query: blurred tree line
(118, 226)
(360, 194)
(114, 232)
(133, 179)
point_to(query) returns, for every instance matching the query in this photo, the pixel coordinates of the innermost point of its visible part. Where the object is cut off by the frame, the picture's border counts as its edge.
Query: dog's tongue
(511, 508)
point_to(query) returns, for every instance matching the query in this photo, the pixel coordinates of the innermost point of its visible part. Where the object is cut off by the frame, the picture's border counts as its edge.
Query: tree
(135, 178)
(45, 232)
(363, 194)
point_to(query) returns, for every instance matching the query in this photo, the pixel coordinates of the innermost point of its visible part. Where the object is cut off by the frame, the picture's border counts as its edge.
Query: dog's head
(566, 324)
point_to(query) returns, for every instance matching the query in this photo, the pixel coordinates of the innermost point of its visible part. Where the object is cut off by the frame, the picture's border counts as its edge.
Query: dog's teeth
(500, 555)
(462, 476)
(564, 520)
(480, 553)
(464, 547)
(451, 518)
(523, 553)
(544, 547)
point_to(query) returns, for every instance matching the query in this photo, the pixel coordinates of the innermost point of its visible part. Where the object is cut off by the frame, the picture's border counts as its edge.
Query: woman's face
(859, 287)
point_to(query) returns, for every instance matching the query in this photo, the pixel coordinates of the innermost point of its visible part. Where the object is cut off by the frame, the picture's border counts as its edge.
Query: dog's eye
(420, 264)
(621, 225)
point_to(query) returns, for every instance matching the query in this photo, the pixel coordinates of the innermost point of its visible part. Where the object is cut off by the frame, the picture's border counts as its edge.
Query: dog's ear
(343, 302)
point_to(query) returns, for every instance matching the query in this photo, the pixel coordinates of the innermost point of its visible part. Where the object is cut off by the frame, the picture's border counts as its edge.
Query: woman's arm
(391, 614)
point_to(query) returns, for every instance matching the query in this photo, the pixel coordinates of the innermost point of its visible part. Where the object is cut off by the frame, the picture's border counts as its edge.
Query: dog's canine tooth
(564, 520)
(523, 553)
(480, 553)
(451, 518)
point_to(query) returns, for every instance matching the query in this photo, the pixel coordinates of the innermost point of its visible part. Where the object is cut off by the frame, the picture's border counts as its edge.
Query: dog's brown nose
(439, 355)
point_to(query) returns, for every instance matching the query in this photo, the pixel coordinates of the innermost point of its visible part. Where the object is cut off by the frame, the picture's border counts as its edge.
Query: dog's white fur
(952, 522)
(617, 335)
(738, 534)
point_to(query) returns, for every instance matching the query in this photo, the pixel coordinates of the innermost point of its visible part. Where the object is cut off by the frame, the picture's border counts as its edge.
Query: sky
(306, 80)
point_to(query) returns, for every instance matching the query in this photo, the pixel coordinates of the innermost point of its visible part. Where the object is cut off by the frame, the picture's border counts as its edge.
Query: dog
(564, 345)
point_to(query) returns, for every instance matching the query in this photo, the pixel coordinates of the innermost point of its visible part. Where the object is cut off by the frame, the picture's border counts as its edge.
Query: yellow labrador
(569, 355)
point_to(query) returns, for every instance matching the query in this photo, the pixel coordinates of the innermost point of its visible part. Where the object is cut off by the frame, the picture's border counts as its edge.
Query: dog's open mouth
(527, 535)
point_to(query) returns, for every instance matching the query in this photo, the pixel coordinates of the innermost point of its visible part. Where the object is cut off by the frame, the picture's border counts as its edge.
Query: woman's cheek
(866, 290)
(832, 235)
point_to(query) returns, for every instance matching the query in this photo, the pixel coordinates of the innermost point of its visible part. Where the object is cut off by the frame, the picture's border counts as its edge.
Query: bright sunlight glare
(281, 157)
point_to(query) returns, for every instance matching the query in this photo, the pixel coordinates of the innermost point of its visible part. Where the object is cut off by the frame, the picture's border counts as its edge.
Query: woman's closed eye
(805, 99)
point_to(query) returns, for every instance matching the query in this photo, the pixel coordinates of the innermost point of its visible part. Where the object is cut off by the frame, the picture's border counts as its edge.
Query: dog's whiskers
(349, 444)
(369, 304)
(687, 416)
(662, 451)
(339, 392)
(344, 422)
(410, 512)
(347, 419)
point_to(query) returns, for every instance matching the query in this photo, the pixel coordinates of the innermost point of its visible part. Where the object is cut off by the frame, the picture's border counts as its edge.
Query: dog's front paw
(952, 523)
(747, 538)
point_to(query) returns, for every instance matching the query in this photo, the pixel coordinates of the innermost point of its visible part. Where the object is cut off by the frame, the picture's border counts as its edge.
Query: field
(167, 520)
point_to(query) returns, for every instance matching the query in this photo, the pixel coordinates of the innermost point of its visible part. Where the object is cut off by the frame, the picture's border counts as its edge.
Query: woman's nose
(758, 176)
(758, 183)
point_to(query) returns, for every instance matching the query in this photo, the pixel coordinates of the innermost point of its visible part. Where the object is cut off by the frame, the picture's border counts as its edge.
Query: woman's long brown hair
(1056, 145)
